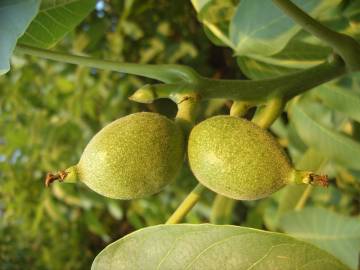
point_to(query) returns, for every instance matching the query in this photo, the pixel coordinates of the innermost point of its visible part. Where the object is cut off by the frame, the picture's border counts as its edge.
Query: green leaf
(296, 55)
(257, 69)
(259, 27)
(331, 144)
(55, 19)
(209, 246)
(337, 234)
(340, 99)
(302, 51)
(15, 16)
(216, 16)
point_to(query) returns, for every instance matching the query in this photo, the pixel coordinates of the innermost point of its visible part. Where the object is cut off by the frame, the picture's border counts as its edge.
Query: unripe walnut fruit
(132, 157)
(236, 158)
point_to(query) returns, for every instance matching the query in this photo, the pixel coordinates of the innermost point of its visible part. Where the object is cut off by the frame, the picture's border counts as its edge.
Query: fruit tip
(311, 178)
(50, 177)
(319, 180)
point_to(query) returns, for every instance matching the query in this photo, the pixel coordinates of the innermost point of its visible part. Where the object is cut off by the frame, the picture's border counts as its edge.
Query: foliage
(15, 17)
(54, 20)
(50, 110)
(340, 235)
(163, 246)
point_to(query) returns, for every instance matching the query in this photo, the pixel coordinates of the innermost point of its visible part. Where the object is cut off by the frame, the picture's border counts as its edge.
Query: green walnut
(132, 157)
(238, 159)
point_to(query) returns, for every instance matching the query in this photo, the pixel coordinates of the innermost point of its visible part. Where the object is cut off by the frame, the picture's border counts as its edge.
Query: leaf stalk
(179, 79)
(164, 73)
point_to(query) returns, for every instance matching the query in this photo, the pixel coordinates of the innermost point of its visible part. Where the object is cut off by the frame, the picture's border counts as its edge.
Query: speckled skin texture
(237, 159)
(133, 157)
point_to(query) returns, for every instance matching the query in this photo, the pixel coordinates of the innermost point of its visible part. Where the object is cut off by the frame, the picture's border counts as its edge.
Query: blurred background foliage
(49, 111)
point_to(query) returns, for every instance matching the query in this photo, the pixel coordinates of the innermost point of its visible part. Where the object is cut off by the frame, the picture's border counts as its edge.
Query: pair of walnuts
(137, 155)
